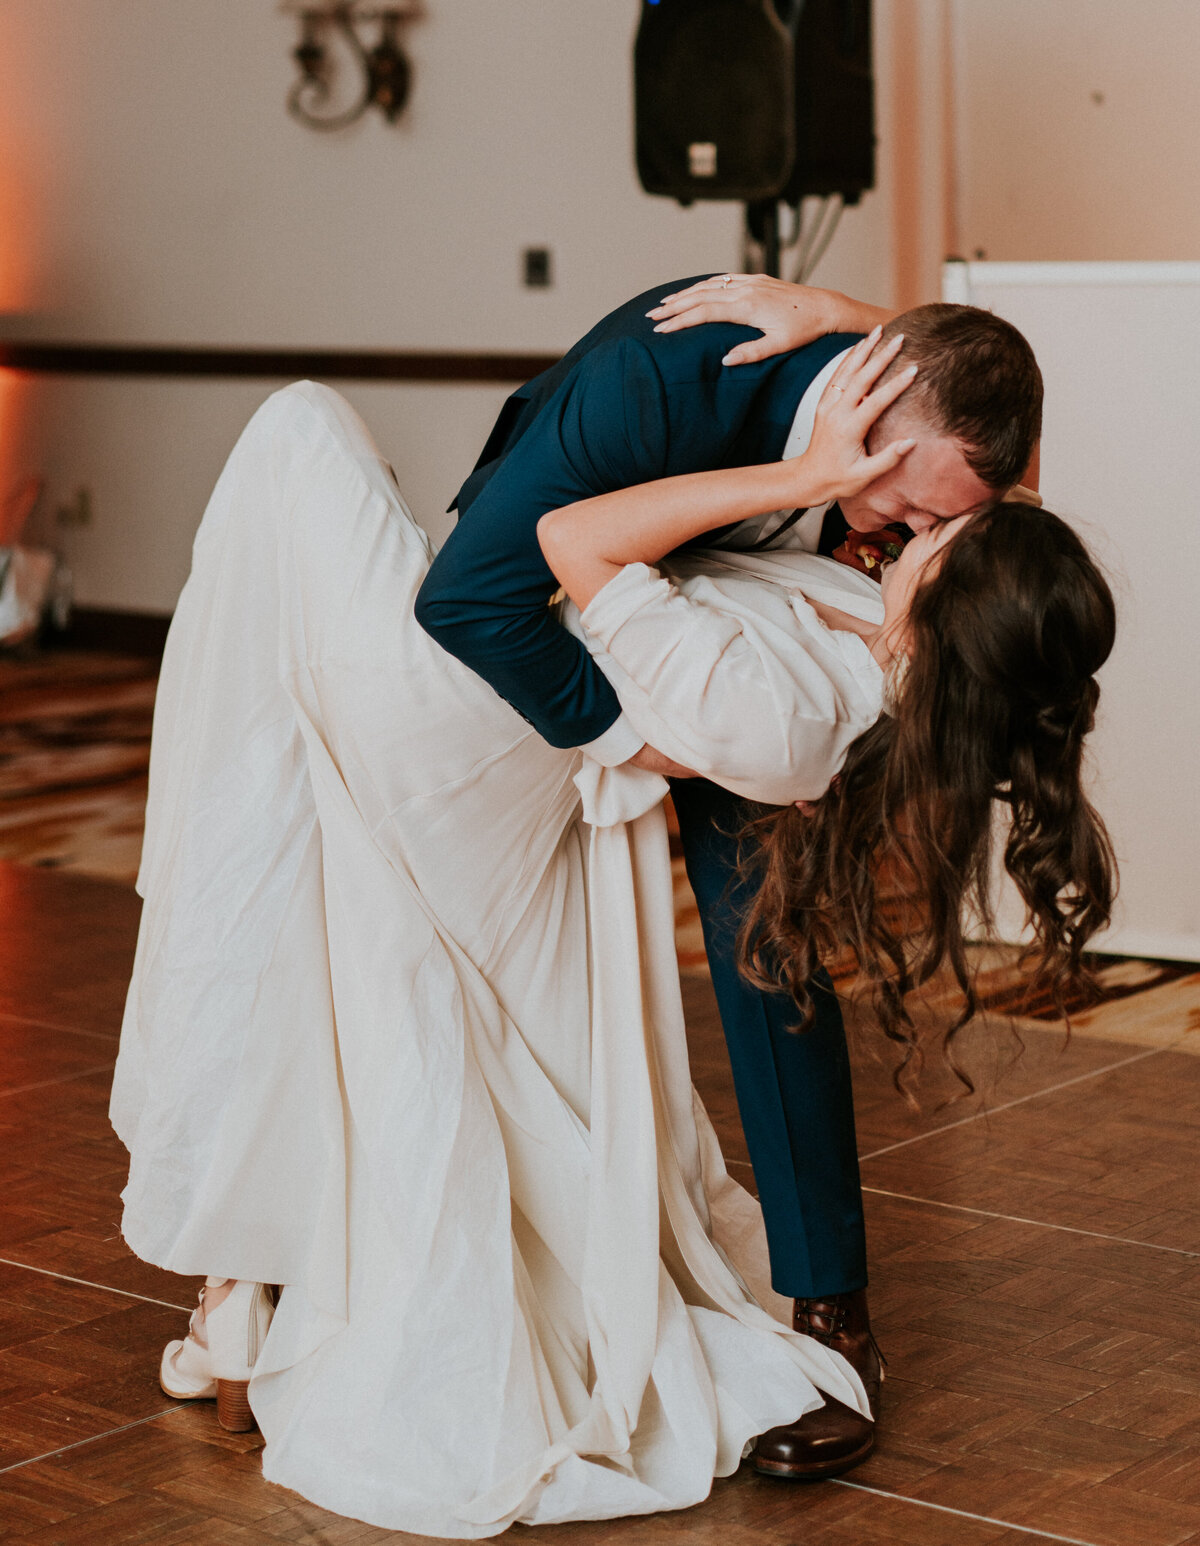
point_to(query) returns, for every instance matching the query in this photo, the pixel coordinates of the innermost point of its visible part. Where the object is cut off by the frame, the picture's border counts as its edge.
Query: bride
(404, 1034)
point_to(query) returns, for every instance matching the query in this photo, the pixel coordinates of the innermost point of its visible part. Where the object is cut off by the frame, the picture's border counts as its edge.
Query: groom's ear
(1032, 476)
(1026, 492)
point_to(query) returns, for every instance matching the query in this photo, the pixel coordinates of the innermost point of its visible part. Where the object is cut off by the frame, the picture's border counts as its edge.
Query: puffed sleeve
(762, 699)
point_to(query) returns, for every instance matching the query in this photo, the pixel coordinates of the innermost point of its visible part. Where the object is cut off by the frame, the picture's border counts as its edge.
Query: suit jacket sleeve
(486, 597)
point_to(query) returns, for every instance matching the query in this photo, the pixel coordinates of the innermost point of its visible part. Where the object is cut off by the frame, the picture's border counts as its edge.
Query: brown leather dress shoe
(834, 1438)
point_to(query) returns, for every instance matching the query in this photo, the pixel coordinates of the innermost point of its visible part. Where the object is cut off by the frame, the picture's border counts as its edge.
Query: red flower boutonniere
(870, 552)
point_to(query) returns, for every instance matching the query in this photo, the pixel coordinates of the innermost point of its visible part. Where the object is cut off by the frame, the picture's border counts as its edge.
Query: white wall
(153, 189)
(151, 450)
(1078, 135)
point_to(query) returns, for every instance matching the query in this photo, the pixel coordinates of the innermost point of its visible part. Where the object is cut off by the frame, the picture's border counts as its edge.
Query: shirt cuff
(616, 744)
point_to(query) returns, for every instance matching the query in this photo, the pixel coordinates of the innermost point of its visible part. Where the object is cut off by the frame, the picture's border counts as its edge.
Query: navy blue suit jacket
(624, 406)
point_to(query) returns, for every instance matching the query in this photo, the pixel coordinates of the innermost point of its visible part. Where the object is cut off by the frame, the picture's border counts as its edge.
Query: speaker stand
(762, 226)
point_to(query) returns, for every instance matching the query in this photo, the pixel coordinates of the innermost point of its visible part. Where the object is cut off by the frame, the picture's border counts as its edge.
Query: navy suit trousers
(793, 1088)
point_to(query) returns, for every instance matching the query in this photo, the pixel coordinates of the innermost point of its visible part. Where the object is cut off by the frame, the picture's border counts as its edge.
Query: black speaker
(754, 99)
(713, 99)
(834, 98)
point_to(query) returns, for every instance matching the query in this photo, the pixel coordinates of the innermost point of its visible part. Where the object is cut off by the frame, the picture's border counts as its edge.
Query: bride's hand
(658, 762)
(788, 315)
(837, 461)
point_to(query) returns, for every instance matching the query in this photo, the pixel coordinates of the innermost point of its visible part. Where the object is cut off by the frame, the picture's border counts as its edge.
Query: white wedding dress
(404, 1033)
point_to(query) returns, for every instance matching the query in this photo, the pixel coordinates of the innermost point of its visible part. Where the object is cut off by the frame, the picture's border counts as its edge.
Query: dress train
(404, 1036)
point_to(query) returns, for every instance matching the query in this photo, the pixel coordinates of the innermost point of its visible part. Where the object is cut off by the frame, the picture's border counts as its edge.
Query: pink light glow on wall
(20, 481)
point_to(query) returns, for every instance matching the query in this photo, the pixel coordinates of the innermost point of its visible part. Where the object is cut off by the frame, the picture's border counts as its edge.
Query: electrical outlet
(79, 511)
(538, 270)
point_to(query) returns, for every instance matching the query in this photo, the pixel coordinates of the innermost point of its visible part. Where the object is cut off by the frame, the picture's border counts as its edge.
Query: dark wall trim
(290, 364)
(124, 633)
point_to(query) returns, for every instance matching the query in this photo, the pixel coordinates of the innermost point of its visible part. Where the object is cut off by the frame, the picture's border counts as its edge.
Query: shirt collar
(806, 413)
(806, 533)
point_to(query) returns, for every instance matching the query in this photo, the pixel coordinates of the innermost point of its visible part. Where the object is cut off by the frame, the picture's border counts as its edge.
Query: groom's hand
(655, 762)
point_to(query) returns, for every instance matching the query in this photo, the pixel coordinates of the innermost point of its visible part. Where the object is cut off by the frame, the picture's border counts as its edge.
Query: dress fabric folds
(404, 1033)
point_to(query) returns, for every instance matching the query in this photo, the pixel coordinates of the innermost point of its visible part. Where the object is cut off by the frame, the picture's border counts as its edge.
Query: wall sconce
(386, 74)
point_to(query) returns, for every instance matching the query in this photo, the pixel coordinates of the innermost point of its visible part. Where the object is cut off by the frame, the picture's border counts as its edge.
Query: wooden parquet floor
(74, 755)
(1035, 1261)
(1035, 1250)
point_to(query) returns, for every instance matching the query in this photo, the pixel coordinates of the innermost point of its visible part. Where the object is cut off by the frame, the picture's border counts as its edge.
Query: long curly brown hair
(1003, 643)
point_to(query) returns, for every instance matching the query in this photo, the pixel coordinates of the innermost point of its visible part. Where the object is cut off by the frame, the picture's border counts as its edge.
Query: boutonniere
(870, 552)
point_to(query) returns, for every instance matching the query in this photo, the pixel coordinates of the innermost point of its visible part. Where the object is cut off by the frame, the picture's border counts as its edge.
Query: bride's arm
(588, 543)
(768, 714)
(788, 315)
(742, 688)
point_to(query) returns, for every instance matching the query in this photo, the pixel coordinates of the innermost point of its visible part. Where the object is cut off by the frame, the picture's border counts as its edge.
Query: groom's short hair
(977, 380)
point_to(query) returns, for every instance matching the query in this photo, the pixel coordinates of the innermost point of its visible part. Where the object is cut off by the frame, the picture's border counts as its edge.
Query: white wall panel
(1121, 461)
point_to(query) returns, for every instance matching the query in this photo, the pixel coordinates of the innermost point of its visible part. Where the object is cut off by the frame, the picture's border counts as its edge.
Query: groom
(627, 405)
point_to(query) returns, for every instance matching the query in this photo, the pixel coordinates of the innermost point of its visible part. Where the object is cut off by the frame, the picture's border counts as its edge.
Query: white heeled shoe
(217, 1357)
